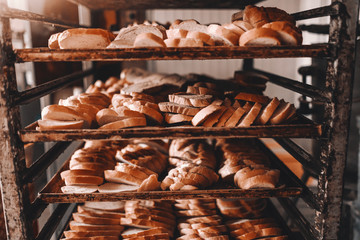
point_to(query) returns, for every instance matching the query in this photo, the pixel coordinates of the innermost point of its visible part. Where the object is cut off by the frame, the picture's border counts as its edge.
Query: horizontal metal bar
(164, 4)
(307, 229)
(50, 226)
(34, 17)
(45, 160)
(32, 94)
(315, 28)
(161, 53)
(317, 12)
(312, 165)
(294, 130)
(304, 89)
(308, 196)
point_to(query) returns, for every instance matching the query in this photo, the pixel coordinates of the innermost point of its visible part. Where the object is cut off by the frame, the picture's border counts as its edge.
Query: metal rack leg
(12, 157)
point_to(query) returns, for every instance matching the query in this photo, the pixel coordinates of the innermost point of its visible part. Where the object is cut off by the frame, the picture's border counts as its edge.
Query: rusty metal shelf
(288, 187)
(164, 4)
(301, 129)
(188, 53)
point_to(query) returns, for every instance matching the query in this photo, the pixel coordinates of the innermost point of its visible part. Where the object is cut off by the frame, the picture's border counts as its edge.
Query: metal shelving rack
(339, 52)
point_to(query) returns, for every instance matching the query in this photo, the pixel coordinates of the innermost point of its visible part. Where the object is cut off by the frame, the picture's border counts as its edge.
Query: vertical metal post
(339, 81)
(15, 196)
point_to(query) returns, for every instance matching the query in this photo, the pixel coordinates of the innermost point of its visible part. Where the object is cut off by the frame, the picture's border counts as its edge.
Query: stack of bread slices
(194, 166)
(96, 221)
(147, 219)
(111, 86)
(150, 155)
(130, 177)
(200, 107)
(267, 26)
(246, 165)
(86, 169)
(259, 228)
(133, 110)
(198, 219)
(241, 208)
(75, 112)
(140, 35)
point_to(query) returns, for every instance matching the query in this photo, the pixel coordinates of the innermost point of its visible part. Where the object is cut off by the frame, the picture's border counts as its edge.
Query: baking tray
(157, 53)
(289, 187)
(300, 128)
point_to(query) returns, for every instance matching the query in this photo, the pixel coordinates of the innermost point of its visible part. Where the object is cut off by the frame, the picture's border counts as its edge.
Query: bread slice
(225, 116)
(245, 26)
(204, 113)
(214, 117)
(76, 234)
(137, 232)
(143, 223)
(219, 237)
(268, 111)
(176, 33)
(191, 100)
(190, 206)
(126, 112)
(250, 97)
(80, 172)
(183, 42)
(151, 114)
(93, 238)
(83, 180)
(156, 236)
(122, 177)
(260, 37)
(106, 116)
(177, 108)
(235, 117)
(129, 34)
(82, 218)
(134, 170)
(116, 188)
(79, 189)
(223, 36)
(57, 124)
(289, 34)
(126, 123)
(205, 38)
(259, 181)
(53, 41)
(92, 227)
(117, 206)
(195, 213)
(99, 213)
(88, 38)
(189, 25)
(148, 39)
(276, 14)
(234, 28)
(189, 237)
(150, 184)
(250, 116)
(61, 113)
(281, 113)
(177, 118)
